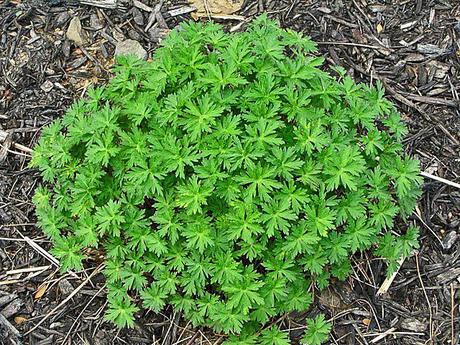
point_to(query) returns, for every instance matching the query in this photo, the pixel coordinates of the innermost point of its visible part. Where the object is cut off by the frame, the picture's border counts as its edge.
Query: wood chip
(12, 308)
(10, 328)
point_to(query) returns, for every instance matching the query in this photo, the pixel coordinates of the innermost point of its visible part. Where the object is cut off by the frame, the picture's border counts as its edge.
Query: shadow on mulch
(411, 46)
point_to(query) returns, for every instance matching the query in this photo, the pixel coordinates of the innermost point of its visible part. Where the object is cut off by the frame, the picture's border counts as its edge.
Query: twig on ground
(440, 179)
(81, 313)
(387, 282)
(67, 299)
(452, 309)
(383, 335)
(142, 6)
(28, 270)
(425, 294)
(41, 251)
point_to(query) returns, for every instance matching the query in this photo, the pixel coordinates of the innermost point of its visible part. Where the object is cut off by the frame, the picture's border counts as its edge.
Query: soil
(411, 46)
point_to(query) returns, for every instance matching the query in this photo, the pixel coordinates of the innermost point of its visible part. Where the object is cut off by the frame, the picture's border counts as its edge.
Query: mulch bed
(412, 47)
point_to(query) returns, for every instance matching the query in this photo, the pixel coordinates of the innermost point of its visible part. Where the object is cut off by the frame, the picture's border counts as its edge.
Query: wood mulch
(411, 46)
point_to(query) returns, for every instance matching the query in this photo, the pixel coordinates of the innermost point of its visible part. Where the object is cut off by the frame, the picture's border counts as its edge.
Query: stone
(62, 18)
(138, 17)
(449, 240)
(47, 86)
(75, 32)
(130, 47)
(414, 325)
(95, 22)
(65, 287)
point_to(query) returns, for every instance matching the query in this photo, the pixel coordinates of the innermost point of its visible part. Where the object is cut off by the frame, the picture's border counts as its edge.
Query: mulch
(411, 46)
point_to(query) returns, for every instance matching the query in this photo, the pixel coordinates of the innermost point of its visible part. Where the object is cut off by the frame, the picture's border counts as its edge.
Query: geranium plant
(229, 178)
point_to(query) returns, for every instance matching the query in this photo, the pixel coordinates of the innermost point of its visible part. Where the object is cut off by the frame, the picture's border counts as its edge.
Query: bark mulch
(411, 46)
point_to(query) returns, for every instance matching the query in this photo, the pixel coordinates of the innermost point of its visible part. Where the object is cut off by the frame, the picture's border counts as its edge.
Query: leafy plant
(227, 178)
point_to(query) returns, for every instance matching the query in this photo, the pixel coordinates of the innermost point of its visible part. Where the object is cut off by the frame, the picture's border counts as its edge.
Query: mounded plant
(228, 178)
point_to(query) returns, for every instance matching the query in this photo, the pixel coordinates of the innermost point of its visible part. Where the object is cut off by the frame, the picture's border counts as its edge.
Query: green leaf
(121, 312)
(273, 336)
(317, 332)
(193, 195)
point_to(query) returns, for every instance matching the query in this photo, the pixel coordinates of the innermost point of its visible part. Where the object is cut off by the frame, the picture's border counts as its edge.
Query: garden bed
(411, 46)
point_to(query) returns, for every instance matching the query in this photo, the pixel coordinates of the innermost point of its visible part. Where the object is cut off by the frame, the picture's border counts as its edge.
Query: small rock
(65, 287)
(66, 48)
(133, 34)
(118, 36)
(414, 325)
(130, 47)
(61, 19)
(104, 51)
(78, 62)
(55, 325)
(47, 86)
(95, 22)
(138, 17)
(157, 34)
(74, 31)
(449, 240)
(457, 27)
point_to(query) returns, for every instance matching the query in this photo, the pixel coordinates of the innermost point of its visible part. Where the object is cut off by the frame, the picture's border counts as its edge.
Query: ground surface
(412, 46)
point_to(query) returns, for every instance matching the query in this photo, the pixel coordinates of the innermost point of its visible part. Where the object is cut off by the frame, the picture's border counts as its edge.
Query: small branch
(28, 270)
(383, 335)
(440, 179)
(387, 282)
(112, 4)
(74, 292)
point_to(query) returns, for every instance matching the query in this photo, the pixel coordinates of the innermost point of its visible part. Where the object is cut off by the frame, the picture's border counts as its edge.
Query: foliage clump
(228, 177)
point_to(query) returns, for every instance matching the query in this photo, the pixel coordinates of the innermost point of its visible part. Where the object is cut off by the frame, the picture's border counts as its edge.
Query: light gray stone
(74, 31)
(130, 47)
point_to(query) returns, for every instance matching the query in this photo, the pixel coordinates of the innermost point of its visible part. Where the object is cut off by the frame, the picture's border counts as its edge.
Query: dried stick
(440, 179)
(387, 282)
(74, 292)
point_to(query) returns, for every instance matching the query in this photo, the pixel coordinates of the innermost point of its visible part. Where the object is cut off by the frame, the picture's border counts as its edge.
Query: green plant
(227, 178)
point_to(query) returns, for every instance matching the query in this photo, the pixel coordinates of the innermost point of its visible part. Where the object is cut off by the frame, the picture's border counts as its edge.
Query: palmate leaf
(154, 298)
(296, 196)
(146, 177)
(221, 76)
(226, 270)
(244, 295)
(317, 331)
(121, 312)
(320, 219)
(193, 195)
(299, 241)
(200, 116)
(405, 173)
(273, 336)
(228, 320)
(360, 234)
(68, 251)
(244, 223)
(285, 162)
(259, 181)
(344, 168)
(277, 217)
(109, 218)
